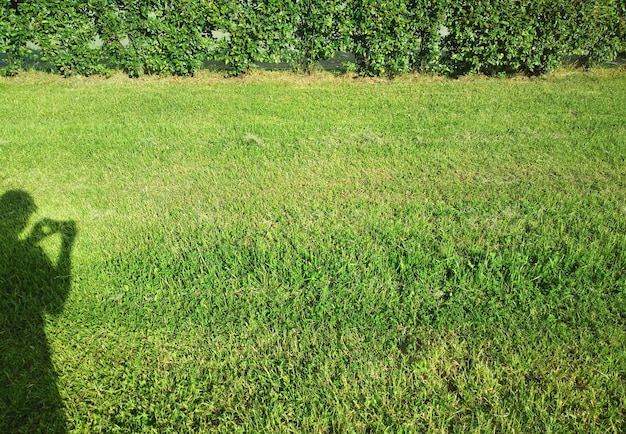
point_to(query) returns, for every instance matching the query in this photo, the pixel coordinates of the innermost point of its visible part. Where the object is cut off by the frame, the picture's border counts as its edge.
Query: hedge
(386, 37)
(396, 36)
(155, 36)
(531, 36)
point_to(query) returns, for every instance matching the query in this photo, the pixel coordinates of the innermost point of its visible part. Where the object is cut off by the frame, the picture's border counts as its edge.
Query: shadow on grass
(31, 285)
(336, 65)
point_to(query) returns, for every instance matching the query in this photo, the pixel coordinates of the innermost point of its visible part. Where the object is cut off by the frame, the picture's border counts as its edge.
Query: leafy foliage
(426, 17)
(599, 31)
(156, 37)
(13, 36)
(395, 36)
(66, 34)
(499, 36)
(319, 29)
(387, 38)
(530, 36)
(255, 32)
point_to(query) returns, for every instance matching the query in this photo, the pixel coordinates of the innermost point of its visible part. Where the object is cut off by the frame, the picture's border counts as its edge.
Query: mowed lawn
(328, 254)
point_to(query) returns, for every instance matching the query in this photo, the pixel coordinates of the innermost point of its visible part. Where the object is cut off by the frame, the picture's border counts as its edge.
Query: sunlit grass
(278, 253)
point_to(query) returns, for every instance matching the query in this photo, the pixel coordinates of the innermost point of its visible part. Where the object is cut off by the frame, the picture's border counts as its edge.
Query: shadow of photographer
(31, 285)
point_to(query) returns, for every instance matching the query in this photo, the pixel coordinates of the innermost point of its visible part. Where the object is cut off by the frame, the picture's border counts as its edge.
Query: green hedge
(156, 36)
(493, 36)
(396, 36)
(317, 30)
(531, 36)
(386, 37)
(65, 32)
(255, 32)
(599, 31)
(13, 35)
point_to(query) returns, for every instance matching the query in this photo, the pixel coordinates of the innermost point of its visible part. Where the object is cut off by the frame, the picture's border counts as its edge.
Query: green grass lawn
(326, 254)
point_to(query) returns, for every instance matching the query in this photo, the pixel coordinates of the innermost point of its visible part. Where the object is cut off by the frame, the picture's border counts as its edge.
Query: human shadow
(31, 285)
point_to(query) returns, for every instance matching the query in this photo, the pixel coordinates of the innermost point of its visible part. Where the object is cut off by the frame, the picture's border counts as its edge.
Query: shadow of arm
(63, 268)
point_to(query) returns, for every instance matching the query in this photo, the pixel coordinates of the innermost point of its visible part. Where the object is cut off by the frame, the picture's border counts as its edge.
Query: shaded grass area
(282, 254)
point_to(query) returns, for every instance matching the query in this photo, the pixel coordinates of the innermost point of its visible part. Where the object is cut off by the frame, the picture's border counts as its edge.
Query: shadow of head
(16, 208)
